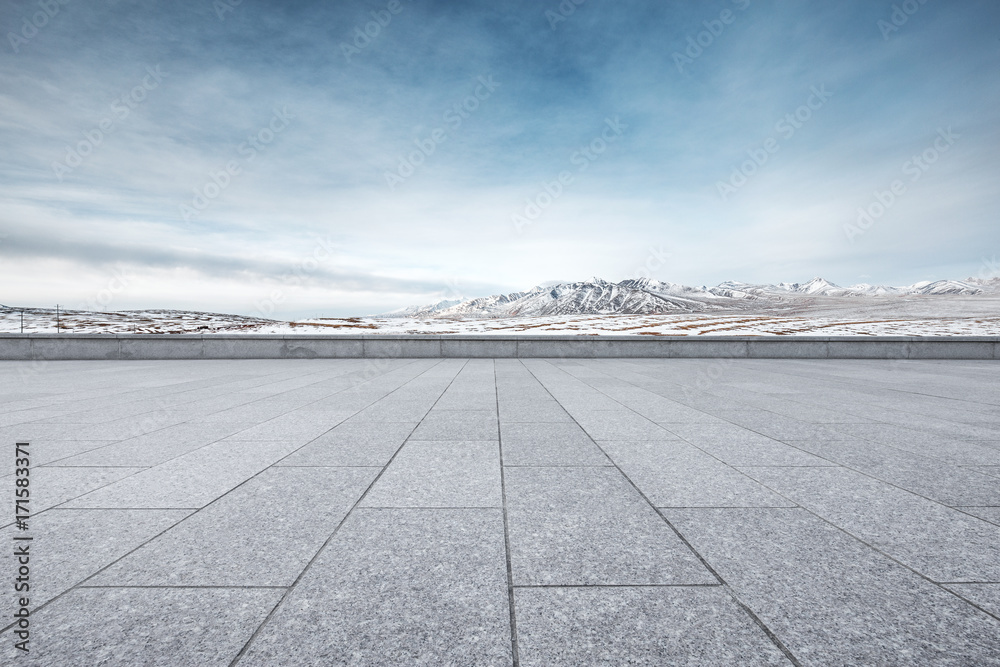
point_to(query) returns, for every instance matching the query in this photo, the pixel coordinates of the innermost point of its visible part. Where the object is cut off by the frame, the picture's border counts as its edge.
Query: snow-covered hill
(596, 307)
(646, 296)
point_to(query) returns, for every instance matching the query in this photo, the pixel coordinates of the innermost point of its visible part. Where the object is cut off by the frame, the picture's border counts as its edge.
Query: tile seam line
(515, 649)
(746, 608)
(159, 586)
(716, 585)
(176, 523)
(274, 610)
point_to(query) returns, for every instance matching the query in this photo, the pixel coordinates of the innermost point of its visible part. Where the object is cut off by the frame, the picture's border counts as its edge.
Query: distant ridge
(647, 296)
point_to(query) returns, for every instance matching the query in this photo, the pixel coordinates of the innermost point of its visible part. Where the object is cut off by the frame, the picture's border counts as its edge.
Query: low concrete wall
(171, 346)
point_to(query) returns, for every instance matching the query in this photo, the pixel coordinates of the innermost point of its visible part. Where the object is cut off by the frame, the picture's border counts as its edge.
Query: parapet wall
(221, 346)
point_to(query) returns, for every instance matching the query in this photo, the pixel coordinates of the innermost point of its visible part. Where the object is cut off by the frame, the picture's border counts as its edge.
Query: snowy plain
(597, 307)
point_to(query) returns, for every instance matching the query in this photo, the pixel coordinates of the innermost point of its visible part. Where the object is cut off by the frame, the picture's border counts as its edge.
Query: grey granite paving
(549, 444)
(648, 626)
(441, 474)
(507, 512)
(361, 443)
(676, 474)
(831, 599)
(399, 586)
(262, 533)
(920, 533)
(985, 596)
(71, 545)
(588, 526)
(123, 627)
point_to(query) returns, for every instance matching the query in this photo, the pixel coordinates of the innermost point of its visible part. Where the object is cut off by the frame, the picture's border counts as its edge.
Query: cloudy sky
(351, 157)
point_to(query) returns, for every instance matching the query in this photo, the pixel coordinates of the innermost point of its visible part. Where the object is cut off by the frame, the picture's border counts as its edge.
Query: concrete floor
(453, 512)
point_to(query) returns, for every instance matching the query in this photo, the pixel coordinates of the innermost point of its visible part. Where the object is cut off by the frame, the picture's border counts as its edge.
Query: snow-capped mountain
(417, 311)
(646, 296)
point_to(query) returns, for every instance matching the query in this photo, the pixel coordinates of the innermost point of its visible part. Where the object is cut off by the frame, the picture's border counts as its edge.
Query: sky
(297, 159)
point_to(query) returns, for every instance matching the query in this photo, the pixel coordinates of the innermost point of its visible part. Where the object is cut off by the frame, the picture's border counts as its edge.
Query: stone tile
(781, 427)
(34, 431)
(467, 425)
(261, 534)
(941, 543)
(353, 444)
(652, 626)
(153, 448)
(952, 450)
(189, 481)
(536, 411)
(57, 452)
(409, 411)
(289, 426)
(442, 573)
(923, 475)
(984, 596)
(440, 474)
(738, 446)
(144, 626)
(830, 599)
(67, 546)
(991, 514)
(665, 411)
(676, 474)
(53, 486)
(467, 402)
(436, 416)
(549, 444)
(588, 526)
(621, 425)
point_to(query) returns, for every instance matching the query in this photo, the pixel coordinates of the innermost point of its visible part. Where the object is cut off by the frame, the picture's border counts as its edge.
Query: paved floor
(453, 512)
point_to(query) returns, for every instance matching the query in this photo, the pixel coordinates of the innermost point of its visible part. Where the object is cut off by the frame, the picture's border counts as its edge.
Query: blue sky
(273, 158)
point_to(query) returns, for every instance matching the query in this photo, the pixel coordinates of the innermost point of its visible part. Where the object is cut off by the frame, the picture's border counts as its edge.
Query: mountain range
(647, 296)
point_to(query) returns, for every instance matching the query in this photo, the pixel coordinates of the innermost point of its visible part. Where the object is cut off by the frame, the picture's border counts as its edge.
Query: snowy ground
(919, 316)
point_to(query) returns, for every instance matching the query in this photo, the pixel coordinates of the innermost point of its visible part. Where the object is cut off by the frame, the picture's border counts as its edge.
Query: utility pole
(22, 320)
(57, 318)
